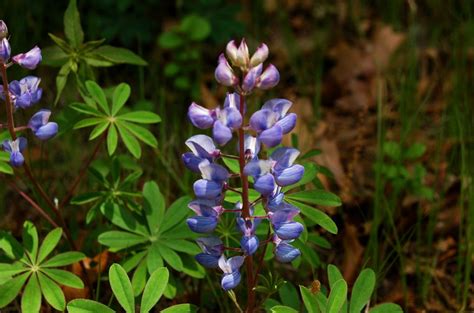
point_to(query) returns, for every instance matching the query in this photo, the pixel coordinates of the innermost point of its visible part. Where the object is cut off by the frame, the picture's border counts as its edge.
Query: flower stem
(246, 210)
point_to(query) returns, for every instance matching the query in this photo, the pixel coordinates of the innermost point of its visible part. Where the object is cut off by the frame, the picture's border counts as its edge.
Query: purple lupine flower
(249, 242)
(30, 59)
(238, 56)
(224, 73)
(5, 50)
(212, 248)
(269, 78)
(230, 267)
(41, 127)
(203, 149)
(250, 79)
(277, 170)
(208, 213)
(15, 148)
(251, 146)
(260, 55)
(223, 121)
(284, 252)
(271, 122)
(24, 93)
(283, 224)
(3, 30)
(213, 178)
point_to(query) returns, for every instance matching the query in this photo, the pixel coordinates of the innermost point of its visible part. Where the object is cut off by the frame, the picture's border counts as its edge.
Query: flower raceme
(23, 94)
(237, 69)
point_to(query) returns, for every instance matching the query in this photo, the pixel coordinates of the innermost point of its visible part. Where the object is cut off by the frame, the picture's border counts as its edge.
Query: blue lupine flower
(283, 225)
(5, 50)
(40, 125)
(212, 182)
(15, 148)
(269, 78)
(249, 242)
(271, 122)
(224, 73)
(208, 213)
(3, 30)
(250, 79)
(24, 93)
(212, 248)
(230, 267)
(30, 59)
(203, 149)
(277, 170)
(284, 252)
(223, 121)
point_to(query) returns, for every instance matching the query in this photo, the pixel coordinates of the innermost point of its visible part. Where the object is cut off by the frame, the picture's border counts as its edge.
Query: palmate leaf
(64, 259)
(52, 292)
(87, 306)
(49, 243)
(120, 97)
(31, 298)
(180, 308)
(63, 277)
(119, 55)
(139, 278)
(11, 288)
(362, 290)
(318, 197)
(143, 117)
(317, 216)
(122, 287)
(154, 289)
(72, 25)
(30, 241)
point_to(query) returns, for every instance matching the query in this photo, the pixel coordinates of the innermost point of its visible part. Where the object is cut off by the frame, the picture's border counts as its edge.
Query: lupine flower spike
(244, 73)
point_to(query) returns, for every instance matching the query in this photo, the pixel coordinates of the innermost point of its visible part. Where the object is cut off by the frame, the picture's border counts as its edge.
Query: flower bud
(260, 55)
(269, 78)
(232, 51)
(15, 148)
(5, 50)
(224, 73)
(250, 78)
(29, 59)
(3, 30)
(243, 55)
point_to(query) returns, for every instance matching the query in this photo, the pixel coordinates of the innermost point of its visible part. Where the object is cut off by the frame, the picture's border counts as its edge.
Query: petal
(250, 78)
(235, 262)
(285, 252)
(288, 230)
(232, 100)
(207, 189)
(199, 206)
(224, 73)
(214, 172)
(260, 55)
(230, 117)
(256, 168)
(47, 131)
(203, 146)
(249, 244)
(290, 175)
(284, 157)
(287, 123)
(262, 120)
(30, 59)
(269, 78)
(271, 137)
(232, 51)
(211, 245)
(202, 224)
(7, 145)
(265, 184)
(283, 215)
(278, 105)
(39, 119)
(243, 57)
(251, 146)
(207, 260)
(191, 161)
(230, 281)
(221, 133)
(200, 116)
(5, 50)
(16, 159)
(22, 143)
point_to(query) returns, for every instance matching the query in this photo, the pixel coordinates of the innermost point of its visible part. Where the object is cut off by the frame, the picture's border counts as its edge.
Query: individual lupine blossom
(267, 126)
(3, 30)
(41, 127)
(15, 148)
(30, 59)
(5, 50)
(24, 93)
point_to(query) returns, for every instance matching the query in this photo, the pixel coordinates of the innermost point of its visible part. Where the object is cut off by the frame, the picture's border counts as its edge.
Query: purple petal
(262, 120)
(207, 260)
(269, 78)
(260, 55)
(230, 117)
(211, 245)
(5, 50)
(7, 145)
(278, 105)
(251, 146)
(47, 131)
(16, 159)
(265, 184)
(202, 224)
(271, 137)
(235, 263)
(284, 157)
(191, 161)
(214, 172)
(249, 244)
(288, 230)
(39, 119)
(224, 73)
(285, 252)
(283, 215)
(200, 116)
(232, 100)
(221, 133)
(287, 123)
(290, 175)
(203, 146)
(207, 189)
(30, 59)
(230, 281)
(250, 78)
(256, 168)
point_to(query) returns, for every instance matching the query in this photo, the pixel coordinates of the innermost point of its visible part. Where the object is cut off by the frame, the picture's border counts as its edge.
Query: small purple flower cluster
(265, 127)
(22, 94)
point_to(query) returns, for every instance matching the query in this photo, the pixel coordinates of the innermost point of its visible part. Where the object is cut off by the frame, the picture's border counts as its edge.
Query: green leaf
(182, 245)
(7, 271)
(49, 243)
(317, 216)
(153, 205)
(170, 40)
(392, 150)
(140, 132)
(87, 122)
(415, 151)
(310, 171)
(232, 164)
(191, 267)
(139, 278)
(61, 80)
(337, 297)
(87, 306)
(62, 44)
(53, 56)
(362, 290)
(119, 55)
(131, 262)
(10, 246)
(386, 308)
(98, 95)
(282, 309)
(154, 289)
(171, 257)
(318, 197)
(123, 218)
(30, 240)
(180, 308)
(95, 60)
(52, 292)
(72, 25)
(118, 240)
(122, 287)
(87, 197)
(175, 214)
(112, 139)
(309, 300)
(195, 27)
(6, 169)
(130, 142)
(142, 117)
(120, 97)
(85, 108)
(10, 289)
(31, 298)
(154, 259)
(63, 277)
(333, 275)
(64, 259)
(99, 130)
(289, 295)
